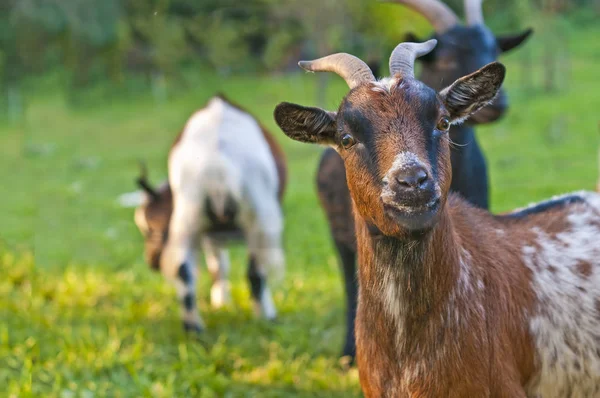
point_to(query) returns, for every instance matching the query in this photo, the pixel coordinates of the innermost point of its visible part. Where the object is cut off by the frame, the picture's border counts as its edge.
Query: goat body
(454, 302)
(483, 304)
(226, 179)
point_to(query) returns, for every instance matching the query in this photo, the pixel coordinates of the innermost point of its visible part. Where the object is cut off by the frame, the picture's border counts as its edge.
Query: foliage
(99, 39)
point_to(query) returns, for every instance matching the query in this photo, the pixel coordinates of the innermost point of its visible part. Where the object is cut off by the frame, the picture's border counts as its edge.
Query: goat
(461, 50)
(454, 301)
(227, 176)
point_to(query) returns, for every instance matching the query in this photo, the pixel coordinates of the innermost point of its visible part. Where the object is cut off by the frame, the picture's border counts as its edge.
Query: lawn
(81, 313)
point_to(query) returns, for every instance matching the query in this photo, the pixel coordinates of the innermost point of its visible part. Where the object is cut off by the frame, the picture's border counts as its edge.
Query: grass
(82, 315)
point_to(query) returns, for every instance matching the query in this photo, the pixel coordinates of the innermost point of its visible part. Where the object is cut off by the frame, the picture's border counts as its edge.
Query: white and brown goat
(226, 179)
(454, 301)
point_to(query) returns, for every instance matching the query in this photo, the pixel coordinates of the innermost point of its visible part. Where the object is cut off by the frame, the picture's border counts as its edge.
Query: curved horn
(441, 17)
(352, 69)
(474, 12)
(143, 170)
(142, 181)
(403, 57)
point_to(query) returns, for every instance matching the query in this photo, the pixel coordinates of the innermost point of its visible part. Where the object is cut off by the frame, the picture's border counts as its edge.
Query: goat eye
(443, 124)
(348, 141)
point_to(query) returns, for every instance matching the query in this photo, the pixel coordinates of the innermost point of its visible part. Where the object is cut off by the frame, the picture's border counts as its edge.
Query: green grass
(82, 315)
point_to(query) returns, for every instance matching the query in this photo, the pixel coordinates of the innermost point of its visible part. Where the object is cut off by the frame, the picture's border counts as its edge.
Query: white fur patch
(391, 297)
(218, 264)
(566, 323)
(402, 161)
(384, 85)
(456, 314)
(480, 285)
(222, 144)
(266, 307)
(220, 294)
(464, 276)
(459, 314)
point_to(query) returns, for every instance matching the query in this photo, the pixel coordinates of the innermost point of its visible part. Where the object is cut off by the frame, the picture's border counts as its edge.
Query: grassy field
(82, 315)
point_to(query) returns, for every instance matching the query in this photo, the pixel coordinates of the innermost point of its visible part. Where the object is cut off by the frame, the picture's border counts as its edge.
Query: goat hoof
(192, 328)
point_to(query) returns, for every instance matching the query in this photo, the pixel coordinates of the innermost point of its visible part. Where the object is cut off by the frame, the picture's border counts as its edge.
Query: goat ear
(472, 92)
(306, 124)
(507, 43)
(143, 183)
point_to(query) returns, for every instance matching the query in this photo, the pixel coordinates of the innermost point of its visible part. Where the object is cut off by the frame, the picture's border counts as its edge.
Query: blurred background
(89, 87)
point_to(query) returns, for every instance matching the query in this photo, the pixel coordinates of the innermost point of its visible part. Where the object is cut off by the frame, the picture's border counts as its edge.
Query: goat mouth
(416, 217)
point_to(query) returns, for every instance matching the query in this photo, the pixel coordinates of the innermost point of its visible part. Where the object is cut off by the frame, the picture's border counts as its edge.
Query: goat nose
(414, 177)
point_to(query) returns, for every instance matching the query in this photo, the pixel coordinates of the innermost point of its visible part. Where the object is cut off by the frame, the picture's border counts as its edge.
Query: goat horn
(441, 17)
(403, 57)
(143, 170)
(143, 182)
(352, 69)
(474, 12)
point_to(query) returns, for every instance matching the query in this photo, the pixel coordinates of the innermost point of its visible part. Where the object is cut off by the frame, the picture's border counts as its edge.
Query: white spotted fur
(562, 310)
(384, 85)
(566, 325)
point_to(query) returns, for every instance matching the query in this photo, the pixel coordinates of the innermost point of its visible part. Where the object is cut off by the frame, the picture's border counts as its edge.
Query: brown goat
(454, 301)
(461, 49)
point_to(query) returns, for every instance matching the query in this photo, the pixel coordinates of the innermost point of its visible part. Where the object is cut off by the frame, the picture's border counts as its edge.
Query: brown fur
(490, 355)
(158, 215)
(498, 364)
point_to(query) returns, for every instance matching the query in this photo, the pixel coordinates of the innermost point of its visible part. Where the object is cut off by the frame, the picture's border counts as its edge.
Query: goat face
(152, 219)
(393, 138)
